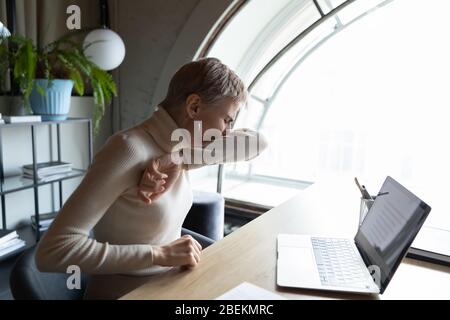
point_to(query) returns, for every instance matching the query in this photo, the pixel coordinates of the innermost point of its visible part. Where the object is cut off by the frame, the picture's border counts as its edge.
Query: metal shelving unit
(18, 183)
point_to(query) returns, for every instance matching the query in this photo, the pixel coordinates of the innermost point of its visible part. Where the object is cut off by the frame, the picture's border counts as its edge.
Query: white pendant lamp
(103, 46)
(4, 32)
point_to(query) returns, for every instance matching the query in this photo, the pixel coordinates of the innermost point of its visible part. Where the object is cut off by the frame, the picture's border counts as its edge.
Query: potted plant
(46, 76)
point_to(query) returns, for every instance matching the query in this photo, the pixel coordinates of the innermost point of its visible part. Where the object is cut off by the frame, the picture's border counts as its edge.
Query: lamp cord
(104, 14)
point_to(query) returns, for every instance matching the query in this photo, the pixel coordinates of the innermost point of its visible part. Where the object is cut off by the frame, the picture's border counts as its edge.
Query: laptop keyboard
(338, 264)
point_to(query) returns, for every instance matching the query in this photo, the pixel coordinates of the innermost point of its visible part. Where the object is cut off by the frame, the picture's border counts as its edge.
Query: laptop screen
(388, 230)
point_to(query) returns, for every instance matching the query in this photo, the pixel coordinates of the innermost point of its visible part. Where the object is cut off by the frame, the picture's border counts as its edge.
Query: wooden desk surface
(249, 254)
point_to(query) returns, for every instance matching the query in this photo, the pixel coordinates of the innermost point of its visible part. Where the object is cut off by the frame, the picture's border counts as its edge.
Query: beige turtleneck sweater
(106, 201)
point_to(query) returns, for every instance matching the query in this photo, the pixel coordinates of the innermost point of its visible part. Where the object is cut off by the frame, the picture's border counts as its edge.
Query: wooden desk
(249, 254)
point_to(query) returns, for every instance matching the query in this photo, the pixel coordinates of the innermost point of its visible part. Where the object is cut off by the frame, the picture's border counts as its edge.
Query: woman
(136, 193)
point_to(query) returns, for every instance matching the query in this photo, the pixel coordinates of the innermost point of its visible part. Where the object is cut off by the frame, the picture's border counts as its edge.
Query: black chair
(28, 283)
(207, 215)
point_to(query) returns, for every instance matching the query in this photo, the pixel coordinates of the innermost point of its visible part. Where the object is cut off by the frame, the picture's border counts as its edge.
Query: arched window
(341, 88)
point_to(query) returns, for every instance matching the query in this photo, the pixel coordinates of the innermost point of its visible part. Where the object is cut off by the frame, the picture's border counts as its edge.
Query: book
(433, 239)
(10, 243)
(44, 217)
(46, 173)
(7, 235)
(17, 245)
(45, 220)
(44, 223)
(47, 170)
(49, 177)
(21, 119)
(47, 167)
(41, 228)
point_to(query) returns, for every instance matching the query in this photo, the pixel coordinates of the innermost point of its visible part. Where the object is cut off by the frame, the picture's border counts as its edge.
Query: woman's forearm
(65, 248)
(238, 145)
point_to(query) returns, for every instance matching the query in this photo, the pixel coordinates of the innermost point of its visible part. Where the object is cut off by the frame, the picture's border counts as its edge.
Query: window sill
(261, 191)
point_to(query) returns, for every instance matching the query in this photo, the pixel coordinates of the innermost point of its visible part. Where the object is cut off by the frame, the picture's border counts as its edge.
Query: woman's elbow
(46, 258)
(42, 259)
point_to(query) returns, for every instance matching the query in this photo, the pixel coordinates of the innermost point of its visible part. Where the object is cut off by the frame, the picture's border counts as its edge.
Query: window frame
(254, 208)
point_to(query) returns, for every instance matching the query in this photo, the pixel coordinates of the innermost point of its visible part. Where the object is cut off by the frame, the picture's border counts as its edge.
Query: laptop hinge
(363, 256)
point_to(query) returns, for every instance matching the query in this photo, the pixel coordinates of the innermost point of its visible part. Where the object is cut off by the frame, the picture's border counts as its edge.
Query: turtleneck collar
(160, 126)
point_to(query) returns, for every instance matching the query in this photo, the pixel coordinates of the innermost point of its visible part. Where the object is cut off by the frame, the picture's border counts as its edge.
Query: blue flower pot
(55, 104)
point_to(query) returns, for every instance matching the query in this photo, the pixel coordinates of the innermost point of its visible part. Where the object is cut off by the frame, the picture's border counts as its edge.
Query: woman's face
(219, 116)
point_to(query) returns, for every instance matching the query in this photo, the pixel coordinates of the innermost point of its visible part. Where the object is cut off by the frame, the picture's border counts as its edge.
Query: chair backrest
(28, 283)
(207, 215)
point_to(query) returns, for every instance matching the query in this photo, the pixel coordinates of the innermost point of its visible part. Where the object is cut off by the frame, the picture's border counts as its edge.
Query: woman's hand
(158, 177)
(185, 251)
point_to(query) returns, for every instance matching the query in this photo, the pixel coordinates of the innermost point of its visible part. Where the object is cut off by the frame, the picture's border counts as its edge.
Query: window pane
(377, 109)
(204, 178)
(259, 31)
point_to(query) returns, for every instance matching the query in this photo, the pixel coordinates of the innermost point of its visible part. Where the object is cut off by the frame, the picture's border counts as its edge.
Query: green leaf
(31, 60)
(80, 62)
(40, 90)
(78, 81)
(99, 103)
(24, 59)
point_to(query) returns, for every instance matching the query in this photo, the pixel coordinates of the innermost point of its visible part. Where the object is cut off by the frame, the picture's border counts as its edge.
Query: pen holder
(364, 207)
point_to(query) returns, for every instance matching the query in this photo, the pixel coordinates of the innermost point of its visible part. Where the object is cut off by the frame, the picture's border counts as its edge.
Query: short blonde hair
(212, 80)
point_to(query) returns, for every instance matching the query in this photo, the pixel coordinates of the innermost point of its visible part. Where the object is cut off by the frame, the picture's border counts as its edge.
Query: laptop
(364, 264)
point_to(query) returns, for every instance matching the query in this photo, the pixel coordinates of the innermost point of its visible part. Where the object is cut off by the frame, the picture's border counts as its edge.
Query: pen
(365, 194)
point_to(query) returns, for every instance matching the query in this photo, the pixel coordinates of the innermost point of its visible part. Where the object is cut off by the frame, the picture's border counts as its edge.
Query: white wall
(160, 36)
